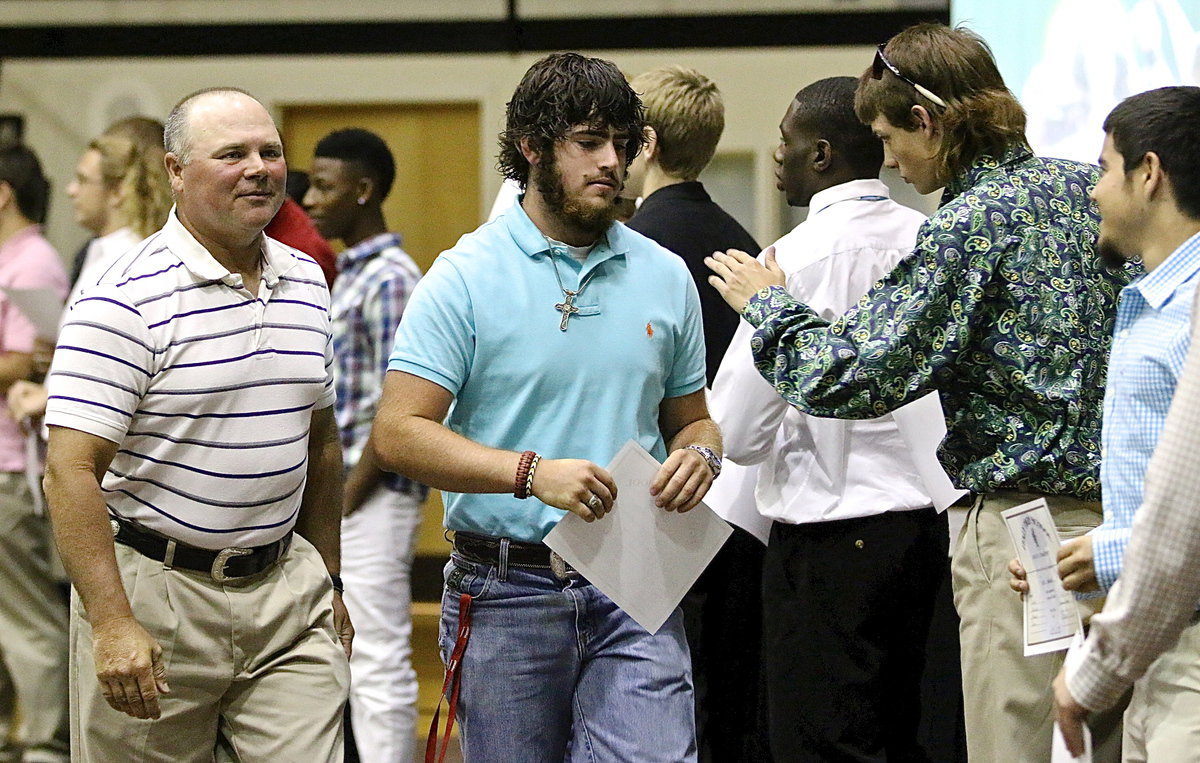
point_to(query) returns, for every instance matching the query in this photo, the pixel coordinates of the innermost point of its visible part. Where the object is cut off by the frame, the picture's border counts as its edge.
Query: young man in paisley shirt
(1003, 307)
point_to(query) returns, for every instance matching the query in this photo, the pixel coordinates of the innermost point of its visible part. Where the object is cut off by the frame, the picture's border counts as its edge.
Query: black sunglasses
(881, 62)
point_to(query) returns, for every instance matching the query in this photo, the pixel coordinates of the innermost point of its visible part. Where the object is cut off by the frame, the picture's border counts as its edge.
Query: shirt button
(858, 543)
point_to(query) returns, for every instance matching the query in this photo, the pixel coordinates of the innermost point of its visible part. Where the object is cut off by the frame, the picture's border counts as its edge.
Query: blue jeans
(555, 671)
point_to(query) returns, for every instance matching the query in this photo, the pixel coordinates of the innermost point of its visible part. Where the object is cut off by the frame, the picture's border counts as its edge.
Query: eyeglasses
(881, 61)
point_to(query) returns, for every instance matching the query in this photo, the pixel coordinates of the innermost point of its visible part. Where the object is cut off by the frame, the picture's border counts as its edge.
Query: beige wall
(67, 101)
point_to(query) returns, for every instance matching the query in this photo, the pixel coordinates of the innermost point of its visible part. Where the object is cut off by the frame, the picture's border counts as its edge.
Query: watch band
(710, 457)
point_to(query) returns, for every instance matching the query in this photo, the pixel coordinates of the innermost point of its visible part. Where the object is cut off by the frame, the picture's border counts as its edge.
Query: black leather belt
(225, 564)
(486, 550)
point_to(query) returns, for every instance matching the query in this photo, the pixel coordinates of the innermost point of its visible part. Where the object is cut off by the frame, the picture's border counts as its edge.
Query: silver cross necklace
(567, 306)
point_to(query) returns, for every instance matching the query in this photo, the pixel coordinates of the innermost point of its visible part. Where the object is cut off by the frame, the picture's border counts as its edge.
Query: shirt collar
(846, 191)
(530, 239)
(971, 176)
(197, 259)
(1157, 286)
(368, 248)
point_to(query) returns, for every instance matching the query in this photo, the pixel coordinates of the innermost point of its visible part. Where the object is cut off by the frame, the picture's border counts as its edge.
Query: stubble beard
(570, 209)
(1111, 255)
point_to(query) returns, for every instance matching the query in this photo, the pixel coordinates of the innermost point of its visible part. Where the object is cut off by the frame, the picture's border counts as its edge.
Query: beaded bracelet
(520, 486)
(529, 479)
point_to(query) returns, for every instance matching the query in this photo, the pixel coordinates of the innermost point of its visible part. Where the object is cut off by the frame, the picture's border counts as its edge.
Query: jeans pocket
(462, 576)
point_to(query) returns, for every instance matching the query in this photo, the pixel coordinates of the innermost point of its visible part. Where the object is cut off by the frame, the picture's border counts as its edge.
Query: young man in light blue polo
(529, 354)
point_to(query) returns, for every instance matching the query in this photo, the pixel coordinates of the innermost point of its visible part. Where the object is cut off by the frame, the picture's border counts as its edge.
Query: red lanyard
(450, 686)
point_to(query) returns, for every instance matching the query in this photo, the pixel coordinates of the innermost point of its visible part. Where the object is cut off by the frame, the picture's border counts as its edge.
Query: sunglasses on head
(881, 62)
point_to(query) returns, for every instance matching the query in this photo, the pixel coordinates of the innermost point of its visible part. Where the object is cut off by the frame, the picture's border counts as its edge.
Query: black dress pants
(846, 612)
(722, 617)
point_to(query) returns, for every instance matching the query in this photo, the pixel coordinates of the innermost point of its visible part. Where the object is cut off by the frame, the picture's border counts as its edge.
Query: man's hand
(1076, 566)
(129, 667)
(342, 624)
(575, 485)
(739, 276)
(682, 481)
(26, 399)
(1070, 714)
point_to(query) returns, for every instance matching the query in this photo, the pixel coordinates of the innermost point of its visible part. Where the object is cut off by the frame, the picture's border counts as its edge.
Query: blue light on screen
(1071, 61)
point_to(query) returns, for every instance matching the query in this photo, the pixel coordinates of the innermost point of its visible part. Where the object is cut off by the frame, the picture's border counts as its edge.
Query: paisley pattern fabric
(1003, 308)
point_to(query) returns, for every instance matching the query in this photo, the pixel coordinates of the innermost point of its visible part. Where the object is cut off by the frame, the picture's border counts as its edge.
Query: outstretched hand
(739, 276)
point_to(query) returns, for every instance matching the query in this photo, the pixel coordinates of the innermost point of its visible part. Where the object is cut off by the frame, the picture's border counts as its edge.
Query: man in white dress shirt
(857, 551)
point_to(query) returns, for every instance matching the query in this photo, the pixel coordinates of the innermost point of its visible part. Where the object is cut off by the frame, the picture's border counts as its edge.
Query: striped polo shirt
(207, 389)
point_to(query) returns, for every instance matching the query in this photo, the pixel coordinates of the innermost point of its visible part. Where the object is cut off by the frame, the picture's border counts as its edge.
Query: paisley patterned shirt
(1003, 308)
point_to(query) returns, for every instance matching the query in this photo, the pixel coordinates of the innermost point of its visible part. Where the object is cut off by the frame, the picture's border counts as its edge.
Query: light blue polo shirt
(482, 323)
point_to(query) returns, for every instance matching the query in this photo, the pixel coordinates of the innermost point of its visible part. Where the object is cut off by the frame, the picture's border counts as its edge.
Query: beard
(570, 208)
(1113, 257)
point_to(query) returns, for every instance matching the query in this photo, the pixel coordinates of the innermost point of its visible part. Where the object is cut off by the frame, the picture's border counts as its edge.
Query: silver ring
(594, 502)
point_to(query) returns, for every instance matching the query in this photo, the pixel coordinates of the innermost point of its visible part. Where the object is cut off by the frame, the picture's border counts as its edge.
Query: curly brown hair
(558, 92)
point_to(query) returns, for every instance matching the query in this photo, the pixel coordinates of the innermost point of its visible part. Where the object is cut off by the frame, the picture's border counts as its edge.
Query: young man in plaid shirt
(352, 172)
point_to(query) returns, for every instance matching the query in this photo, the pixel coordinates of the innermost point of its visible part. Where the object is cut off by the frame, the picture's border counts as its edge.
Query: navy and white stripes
(208, 390)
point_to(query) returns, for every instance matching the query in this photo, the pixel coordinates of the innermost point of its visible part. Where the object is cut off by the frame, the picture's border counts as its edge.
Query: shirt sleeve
(102, 366)
(745, 406)
(687, 371)
(893, 347)
(435, 339)
(1159, 587)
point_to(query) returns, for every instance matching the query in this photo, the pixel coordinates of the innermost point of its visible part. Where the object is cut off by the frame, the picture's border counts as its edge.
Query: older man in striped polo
(191, 421)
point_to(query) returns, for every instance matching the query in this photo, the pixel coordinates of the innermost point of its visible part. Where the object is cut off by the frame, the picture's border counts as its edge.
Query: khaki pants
(255, 667)
(1007, 698)
(1162, 723)
(33, 625)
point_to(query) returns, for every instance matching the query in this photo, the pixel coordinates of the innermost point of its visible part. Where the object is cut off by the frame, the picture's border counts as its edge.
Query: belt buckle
(223, 557)
(558, 566)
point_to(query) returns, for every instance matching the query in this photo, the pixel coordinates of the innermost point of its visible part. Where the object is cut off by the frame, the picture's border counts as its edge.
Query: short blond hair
(687, 112)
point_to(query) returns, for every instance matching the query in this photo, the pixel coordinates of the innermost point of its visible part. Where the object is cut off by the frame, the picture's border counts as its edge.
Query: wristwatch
(710, 457)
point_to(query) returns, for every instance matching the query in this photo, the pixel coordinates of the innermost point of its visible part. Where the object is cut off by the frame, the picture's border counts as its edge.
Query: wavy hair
(135, 169)
(981, 117)
(558, 92)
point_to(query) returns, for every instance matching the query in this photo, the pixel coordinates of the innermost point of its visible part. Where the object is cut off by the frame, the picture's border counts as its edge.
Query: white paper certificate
(43, 308)
(642, 557)
(1051, 617)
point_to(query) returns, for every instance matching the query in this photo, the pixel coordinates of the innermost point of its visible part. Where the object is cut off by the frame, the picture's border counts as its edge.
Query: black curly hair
(558, 92)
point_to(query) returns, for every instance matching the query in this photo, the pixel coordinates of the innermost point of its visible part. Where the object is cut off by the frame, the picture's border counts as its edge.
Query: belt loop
(503, 571)
(169, 556)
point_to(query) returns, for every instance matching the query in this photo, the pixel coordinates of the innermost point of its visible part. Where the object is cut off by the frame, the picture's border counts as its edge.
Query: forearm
(432, 454)
(14, 366)
(320, 518)
(361, 481)
(83, 534)
(700, 432)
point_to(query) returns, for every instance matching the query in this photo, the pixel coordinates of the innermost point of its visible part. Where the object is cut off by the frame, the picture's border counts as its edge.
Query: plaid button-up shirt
(375, 279)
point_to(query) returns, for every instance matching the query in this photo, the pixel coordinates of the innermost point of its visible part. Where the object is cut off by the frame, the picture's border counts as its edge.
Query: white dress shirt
(812, 469)
(102, 252)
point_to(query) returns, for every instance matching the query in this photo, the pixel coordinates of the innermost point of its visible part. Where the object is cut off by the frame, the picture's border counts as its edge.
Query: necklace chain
(567, 306)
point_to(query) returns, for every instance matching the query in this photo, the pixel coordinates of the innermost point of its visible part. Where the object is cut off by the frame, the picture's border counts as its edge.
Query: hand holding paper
(1051, 619)
(642, 557)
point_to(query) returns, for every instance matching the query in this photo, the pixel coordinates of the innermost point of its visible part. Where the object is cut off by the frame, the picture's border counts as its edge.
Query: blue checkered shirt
(375, 279)
(1150, 344)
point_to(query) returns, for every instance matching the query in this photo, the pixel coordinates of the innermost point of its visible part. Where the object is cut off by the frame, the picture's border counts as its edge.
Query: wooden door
(435, 198)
